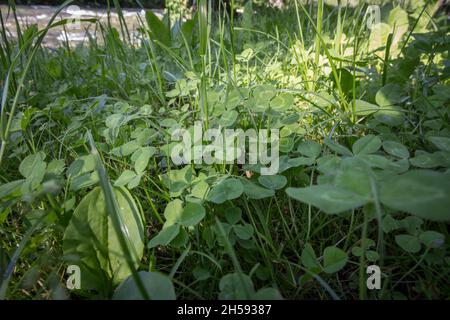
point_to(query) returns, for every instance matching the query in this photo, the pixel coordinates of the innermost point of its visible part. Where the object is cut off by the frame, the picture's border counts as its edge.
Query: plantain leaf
(91, 241)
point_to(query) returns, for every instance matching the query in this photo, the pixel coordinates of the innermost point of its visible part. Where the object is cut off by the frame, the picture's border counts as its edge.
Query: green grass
(86, 176)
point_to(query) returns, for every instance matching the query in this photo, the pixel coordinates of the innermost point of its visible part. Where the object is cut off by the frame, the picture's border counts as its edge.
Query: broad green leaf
(412, 224)
(388, 95)
(125, 149)
(141, 161)
(398, 20)
(178, 180)
(201, 274)
(309, 148)
(81, 165)
(228, 118)
(124, 178)
(355, 180)
(135, 181)
(169, 122)
(267, 294)
(142, 136)
(257, 105)
(165, 236)
(427, 160)
(234, 286)
(83, 181)
(115, 120)
(322, 99)
(233, 215)
(264, 92)
(228, 189)
(91, 242)
(364, 108)
(157, 287)
(33, 168)
(299, 161)
(180, 240)
(390, 115)
(56, 166)
(328, 198)
(399, 166)
(367, 145)
(372, 255)
(158, 30)
(329, 164)
(244, 232)
(282, 102)
(187, 29)
(432, 239)
(173, 212)
(9, 188)
(274, 182)
(200, 189)
(235, 97)
(442, 143)
(286, 144)
(192, 214)
(378, 37)
(390, 224)
(336, 147)
(31, 163)
(357, 251)
(423, 193)
(253, 191)
(408, 243)
(375, 160)
(396, 149)
(308, 257)
(346, 79)
(334, 259)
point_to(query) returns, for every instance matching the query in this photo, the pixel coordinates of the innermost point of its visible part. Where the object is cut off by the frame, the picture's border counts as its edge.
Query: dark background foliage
(97, 3)
(102, 3)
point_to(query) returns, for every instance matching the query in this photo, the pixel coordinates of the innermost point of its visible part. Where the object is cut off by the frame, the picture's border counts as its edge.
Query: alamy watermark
(374, 277)
(74, 279)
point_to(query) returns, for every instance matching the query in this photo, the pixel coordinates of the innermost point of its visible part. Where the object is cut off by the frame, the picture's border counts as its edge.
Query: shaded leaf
(157, 286)
(329, 199)
(420, 192)
(334, 259)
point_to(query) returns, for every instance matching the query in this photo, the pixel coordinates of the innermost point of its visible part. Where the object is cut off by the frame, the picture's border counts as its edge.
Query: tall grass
(34, 43)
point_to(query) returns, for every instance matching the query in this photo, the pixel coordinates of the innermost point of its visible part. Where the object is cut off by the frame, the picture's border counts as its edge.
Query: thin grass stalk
(330, 59)
(204, 43)
(12, 5)
(318, 40)
(122, 22)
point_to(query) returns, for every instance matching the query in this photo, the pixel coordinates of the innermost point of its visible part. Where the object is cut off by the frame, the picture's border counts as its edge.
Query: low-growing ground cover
(359, 96)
